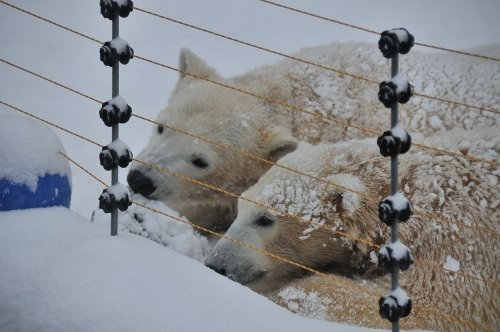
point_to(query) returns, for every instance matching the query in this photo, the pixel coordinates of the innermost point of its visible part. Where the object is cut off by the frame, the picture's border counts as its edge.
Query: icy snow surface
(62, 273)
(29, 149)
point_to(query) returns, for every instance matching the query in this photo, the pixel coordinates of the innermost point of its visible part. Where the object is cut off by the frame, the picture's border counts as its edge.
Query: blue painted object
(52, 190)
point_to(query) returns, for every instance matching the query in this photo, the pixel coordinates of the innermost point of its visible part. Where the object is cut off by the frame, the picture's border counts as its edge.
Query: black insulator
(390, 309)
(395, 41)
(110, 56)
(111, 114)
(391, 145)
(389, 93)
(123, 203)
(110, 8)
(126, 55)
(108, 158)
(389, 214)
(125, 114)
(125, 158)
(387, 261)
(107, 201)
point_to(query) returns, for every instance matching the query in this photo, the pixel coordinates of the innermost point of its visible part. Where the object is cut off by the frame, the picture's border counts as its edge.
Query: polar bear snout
(140, 183)
(219, 270)
(235, 267)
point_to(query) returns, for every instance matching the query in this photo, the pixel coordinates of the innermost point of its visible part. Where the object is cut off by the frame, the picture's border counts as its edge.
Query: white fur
(270, 130)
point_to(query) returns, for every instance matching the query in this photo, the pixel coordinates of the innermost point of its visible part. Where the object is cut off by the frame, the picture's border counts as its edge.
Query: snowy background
(74, 61)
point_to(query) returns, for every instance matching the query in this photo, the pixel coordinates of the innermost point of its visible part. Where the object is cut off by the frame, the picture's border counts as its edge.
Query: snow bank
(173, 234)
(62, 273)
(24, 141)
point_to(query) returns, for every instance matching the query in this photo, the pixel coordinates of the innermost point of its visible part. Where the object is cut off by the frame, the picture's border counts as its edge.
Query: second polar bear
(335, 228)
(268, 118)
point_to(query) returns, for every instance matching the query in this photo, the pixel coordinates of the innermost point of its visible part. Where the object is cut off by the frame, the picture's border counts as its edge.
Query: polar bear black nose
(140, 183)
(221, 271)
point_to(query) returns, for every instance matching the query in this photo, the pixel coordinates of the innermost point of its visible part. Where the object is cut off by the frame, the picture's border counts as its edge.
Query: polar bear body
(338, 227)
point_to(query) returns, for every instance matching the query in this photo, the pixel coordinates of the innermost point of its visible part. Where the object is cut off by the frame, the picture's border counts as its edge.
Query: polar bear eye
(200, 163)
(264, 221)
(160, 129)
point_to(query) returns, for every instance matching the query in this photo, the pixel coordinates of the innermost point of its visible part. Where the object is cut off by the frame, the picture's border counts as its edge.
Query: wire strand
(339, 72)
(357, 27)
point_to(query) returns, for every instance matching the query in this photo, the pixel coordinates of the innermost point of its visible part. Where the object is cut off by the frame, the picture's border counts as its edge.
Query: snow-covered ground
(59, 272)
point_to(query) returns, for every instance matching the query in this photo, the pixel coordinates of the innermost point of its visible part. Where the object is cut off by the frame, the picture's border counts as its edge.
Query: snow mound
(62, 273)
(173, 234)
(29, 150)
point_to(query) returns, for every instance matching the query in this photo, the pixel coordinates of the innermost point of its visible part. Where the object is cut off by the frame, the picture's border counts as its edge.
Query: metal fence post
(115, 111)
(395, 208)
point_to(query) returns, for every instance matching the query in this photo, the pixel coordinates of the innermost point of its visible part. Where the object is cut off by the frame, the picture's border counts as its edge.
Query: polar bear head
(305, 223)
(181, 170)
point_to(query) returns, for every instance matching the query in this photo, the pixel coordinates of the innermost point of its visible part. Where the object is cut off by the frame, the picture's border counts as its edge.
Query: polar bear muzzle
(140, 183)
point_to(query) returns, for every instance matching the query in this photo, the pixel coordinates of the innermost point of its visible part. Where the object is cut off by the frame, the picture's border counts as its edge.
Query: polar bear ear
(193, 64)
(280, 142)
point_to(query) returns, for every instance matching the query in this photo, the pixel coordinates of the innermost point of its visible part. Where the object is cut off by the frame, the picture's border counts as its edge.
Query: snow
(399, 202)
(120, 147)
(62, 273)
(119, 102)
(173, 234)
(400, 82)
(119, 191)
(400, 296)
(451, 264)
(24, 141)
(399, 132)
(397, 249)
(119, 44)
(435, 122)
(402, 35)
(307, 304)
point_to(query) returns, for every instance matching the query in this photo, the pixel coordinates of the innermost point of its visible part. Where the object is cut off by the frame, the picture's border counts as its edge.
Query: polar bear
(270, 126)
(307, 220)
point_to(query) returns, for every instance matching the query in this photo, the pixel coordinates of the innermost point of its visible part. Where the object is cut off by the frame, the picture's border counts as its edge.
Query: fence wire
(337, 71)
(357, 27)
